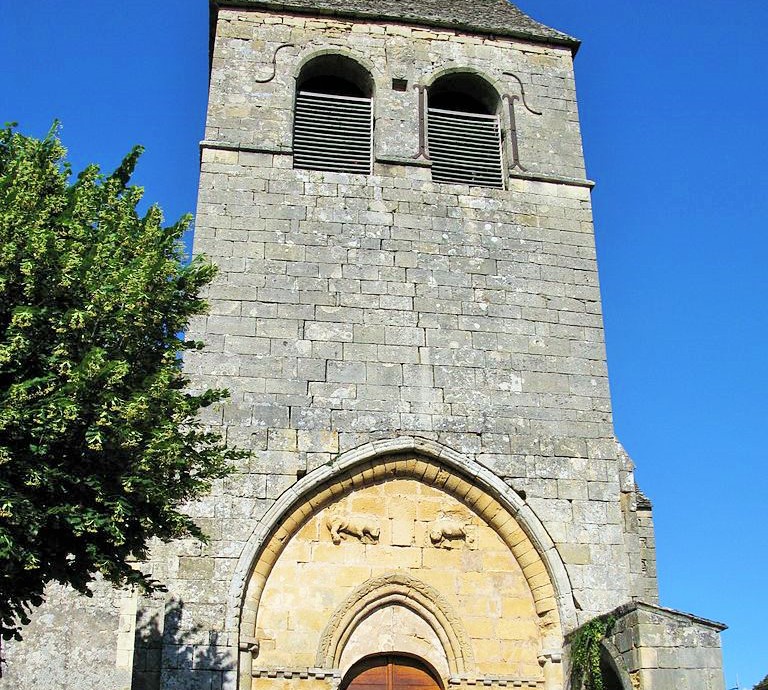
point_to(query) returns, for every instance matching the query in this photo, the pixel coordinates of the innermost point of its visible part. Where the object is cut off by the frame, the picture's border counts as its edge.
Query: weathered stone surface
(662, 648)
(497, 17)
(353, 312)
(75, 642)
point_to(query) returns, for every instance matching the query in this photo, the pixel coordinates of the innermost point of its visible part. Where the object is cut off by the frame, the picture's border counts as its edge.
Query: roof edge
(663, 610)
(563, 40)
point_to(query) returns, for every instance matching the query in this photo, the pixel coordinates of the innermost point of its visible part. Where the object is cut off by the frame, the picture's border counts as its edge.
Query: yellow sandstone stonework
(484, 604)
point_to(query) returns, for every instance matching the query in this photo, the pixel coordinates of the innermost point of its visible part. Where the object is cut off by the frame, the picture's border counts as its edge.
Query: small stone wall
(74, 642)
(664, 649)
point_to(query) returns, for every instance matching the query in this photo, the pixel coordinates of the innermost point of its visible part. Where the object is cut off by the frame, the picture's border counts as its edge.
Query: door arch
(391, 672)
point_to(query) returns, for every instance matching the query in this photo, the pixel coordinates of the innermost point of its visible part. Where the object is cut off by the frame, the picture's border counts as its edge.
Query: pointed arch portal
(401, 548)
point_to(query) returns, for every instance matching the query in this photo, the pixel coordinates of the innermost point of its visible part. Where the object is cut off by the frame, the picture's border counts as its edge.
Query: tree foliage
(762, 685)
(99, 441)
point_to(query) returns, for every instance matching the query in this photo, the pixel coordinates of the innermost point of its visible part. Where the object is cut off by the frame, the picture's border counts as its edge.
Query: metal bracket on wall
(511, 100)
(515, 163)
(522, 93)
(274, 63)
(423, 151)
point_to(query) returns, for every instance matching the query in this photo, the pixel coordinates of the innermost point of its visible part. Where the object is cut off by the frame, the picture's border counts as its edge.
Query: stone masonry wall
(664, 649)
(74, 642)
(350, 308)
(356, 307)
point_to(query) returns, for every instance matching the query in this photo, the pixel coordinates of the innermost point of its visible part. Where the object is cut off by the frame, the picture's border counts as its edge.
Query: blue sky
(673, 98)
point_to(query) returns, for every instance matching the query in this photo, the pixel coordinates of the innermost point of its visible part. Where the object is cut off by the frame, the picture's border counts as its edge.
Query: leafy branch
(101, 443)
(586, 643)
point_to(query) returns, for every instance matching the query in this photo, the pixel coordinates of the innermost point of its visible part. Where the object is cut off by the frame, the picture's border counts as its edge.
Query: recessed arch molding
(397, 588)
(428, 461)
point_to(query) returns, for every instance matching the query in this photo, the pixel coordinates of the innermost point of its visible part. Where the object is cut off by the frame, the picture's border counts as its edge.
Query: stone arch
(473, 72)
(530, 543)
(314, 53)
(464, 91)
(611, 654)
(400, 589)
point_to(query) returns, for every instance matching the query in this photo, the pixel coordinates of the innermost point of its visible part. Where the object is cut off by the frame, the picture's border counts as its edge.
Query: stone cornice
(489, 17)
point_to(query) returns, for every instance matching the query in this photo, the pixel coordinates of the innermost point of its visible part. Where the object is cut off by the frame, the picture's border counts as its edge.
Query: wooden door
(390, 673)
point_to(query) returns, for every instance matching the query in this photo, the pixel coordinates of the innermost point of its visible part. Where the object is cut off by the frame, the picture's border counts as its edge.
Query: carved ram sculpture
(446, 530)
(363, 527)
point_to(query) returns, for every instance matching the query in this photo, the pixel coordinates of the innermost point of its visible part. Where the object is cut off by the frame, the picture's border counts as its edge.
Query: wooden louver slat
(332, 133)
(465, 148)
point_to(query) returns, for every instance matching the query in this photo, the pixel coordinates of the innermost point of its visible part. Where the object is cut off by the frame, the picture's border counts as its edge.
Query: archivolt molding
(423, 460)
(400, 589)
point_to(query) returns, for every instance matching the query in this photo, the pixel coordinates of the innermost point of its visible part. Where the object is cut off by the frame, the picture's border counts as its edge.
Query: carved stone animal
(445, 530)
(363, 527)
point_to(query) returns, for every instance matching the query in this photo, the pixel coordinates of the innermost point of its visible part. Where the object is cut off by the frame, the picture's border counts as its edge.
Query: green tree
(99, 439)
(762, 685)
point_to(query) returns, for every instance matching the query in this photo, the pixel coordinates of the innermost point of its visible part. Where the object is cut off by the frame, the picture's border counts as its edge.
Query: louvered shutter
(465, 148)
(332, 133)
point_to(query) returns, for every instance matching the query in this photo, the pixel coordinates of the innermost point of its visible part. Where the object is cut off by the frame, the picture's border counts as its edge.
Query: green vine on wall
(585, 653)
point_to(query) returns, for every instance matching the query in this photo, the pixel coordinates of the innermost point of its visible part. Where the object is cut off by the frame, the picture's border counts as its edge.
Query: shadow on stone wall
(172, 654)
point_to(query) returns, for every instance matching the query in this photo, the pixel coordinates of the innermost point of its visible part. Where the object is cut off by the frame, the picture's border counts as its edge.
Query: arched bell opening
(333, 116)
(335, 74)
(464, 92)
(464, 131)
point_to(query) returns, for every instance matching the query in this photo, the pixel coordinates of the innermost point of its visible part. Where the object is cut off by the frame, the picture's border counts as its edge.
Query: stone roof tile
(497, 17)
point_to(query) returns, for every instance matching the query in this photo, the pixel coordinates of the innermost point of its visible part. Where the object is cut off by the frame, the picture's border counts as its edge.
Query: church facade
(408, 319)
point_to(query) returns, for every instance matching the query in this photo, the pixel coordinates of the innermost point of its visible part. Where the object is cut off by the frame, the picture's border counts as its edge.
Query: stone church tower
(408, 319)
